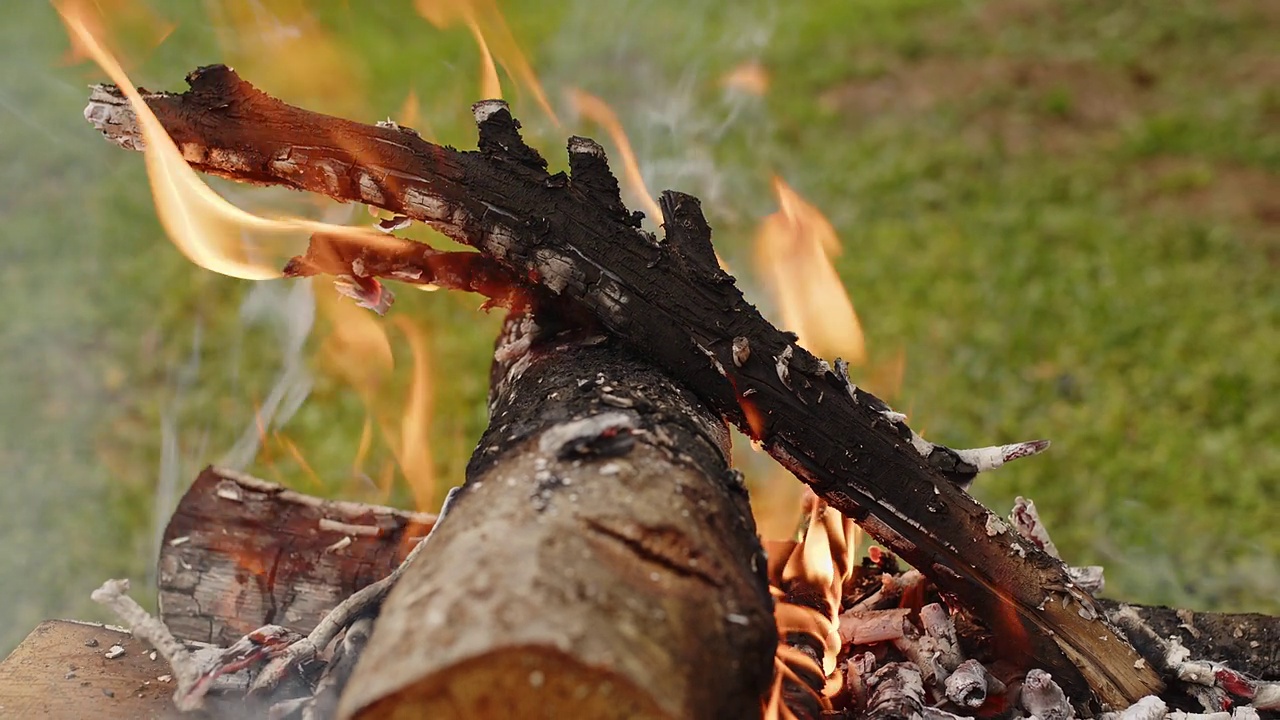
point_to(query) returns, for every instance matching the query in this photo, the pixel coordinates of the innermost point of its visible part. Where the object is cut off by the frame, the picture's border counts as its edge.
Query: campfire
(601, 558)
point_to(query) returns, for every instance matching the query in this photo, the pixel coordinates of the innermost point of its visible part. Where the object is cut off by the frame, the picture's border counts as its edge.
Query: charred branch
(670, 299)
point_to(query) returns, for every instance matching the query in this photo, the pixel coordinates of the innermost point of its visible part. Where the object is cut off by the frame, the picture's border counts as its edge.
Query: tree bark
(573, 238)
(601, 560)
(240, 553)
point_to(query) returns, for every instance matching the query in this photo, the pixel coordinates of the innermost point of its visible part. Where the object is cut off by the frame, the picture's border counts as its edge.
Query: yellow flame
(599, 112)
(413, 450)
(116, 17)
(750, 77)
(490, 30)
(285, 48)
(793, 256)
(210, 231)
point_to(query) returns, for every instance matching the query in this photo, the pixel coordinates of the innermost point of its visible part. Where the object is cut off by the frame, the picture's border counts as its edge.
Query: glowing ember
(793, 256)
(491, 32)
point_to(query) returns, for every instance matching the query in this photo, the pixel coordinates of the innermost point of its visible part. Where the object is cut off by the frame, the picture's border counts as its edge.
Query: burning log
(571, 237)
(600, 561)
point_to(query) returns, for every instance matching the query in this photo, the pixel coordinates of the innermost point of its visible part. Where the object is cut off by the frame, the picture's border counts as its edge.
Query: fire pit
(601, 559)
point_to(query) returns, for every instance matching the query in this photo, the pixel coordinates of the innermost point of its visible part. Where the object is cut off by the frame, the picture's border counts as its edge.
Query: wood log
(573, 237)
(62, 670)
(601, 560)
(240, 553)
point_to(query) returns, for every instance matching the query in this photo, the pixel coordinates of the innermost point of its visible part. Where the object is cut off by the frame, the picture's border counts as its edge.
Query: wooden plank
(61, 670)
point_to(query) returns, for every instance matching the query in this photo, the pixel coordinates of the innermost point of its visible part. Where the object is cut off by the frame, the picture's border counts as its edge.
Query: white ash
(971, 684)
(897, 691)
(485, 109)
(585, 146)
(782, 364)
(862, 627)
(893, 416)
(940, 631)
(556, 438)
(1027, 522)
(741, 351)
(990, 458)
(715, 361)
(1088, 578)
(1042, 697)
(1148, 708)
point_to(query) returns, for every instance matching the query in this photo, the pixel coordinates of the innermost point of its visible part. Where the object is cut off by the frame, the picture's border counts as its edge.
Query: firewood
(61, 670)
(571, 236)
(897, 693)
(229, 529)
(599, 562)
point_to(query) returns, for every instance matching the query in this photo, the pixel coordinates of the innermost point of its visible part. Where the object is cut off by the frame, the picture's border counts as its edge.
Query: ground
(1065, 216)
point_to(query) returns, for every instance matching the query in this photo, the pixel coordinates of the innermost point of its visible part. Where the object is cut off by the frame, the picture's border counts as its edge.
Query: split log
(573, 237)
(601, 560)
(67, 669)
(240, 553)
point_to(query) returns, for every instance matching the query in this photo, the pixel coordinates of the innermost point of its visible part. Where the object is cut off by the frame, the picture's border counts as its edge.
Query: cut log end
(537, 683)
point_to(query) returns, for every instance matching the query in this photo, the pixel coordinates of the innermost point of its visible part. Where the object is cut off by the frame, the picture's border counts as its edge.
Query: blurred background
(1054, 219)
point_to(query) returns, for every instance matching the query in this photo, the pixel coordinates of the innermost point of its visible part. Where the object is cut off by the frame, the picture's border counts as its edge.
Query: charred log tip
(589, 170)
(689, 235)
(219, 81)
(500, 136)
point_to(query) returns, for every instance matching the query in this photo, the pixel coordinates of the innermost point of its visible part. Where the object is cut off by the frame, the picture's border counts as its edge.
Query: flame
(486, 24)
(283, 47)
(410, 115)
(750, 77)
(793, 256)
(599, 112)
(413, 451)
(210, 231)
(116, 17)
(802, 576)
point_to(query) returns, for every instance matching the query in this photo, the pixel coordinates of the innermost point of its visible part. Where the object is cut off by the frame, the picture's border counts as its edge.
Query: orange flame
(219, 236)
(116, 16)
(413, 451)
(599, 112)
(283, 47)
(793, 255)
(750, 77)
(490, 30)
(210, 231)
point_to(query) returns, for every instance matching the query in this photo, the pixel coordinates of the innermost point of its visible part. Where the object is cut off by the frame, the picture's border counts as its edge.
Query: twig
(195, 672)
(342, 615)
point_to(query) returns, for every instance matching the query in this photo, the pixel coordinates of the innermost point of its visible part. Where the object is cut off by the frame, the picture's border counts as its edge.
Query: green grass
(1064, 214)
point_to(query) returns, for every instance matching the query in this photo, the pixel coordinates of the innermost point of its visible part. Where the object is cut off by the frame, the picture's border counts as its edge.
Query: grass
(1065, 215)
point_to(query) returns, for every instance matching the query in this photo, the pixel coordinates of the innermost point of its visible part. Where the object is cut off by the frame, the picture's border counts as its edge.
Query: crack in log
(659, 546)
(669, 302)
